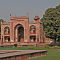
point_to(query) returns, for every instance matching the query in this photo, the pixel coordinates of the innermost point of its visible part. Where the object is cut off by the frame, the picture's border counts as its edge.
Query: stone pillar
(26, 31)
(26, 35)
(36, 38)
(16, 35)
(11, 32)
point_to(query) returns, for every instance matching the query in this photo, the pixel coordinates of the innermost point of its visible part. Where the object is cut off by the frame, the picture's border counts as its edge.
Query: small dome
(36, 17)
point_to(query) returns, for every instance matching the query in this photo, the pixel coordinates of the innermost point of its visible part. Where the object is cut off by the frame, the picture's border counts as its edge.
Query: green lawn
(53, 54)
(21, 48)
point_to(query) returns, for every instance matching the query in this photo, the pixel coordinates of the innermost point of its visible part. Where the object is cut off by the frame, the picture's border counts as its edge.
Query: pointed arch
(19, 33)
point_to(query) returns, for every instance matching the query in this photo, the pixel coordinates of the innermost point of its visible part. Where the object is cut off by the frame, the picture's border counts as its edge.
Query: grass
(53, 54)
(20, 48)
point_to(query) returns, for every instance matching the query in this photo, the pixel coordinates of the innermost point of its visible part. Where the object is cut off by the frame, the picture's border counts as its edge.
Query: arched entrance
(6, 33)
(19, 33)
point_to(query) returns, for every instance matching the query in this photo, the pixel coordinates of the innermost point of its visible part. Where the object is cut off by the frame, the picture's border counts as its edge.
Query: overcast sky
(22, 7)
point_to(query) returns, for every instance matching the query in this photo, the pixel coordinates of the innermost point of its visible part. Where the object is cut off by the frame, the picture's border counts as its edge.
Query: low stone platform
(24, 44)
(21, 54)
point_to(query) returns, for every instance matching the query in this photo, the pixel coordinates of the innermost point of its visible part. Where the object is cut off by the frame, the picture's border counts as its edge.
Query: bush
(46, 46)
(15, 45)
(36, 45)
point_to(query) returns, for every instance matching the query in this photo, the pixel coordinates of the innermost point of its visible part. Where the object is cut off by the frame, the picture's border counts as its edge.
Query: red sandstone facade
(21, 30)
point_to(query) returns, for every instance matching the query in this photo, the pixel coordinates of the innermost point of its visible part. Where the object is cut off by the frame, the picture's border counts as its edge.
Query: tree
(51, 23)
(1, 20)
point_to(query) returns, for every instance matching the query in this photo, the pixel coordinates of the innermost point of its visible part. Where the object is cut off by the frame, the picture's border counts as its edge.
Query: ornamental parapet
(6, 23)
(19, 17)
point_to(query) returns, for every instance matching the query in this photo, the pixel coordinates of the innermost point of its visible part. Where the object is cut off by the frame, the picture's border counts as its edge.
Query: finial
(10, 14)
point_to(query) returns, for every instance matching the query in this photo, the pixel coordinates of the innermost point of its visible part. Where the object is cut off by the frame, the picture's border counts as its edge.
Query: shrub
(15, 45)
(46, 46)
(36, 45)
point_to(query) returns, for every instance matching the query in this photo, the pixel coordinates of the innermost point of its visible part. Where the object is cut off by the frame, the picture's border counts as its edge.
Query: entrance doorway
(32, 38)
(19, 33)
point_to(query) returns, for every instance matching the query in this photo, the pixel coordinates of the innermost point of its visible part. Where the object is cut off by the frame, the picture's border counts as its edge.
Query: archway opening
(6, 30)
(7, 39)
(19, 33)
(33, 29)
(33, 38)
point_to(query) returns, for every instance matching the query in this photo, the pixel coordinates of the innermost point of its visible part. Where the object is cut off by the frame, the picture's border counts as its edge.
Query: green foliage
(1, 20)
(15, 45)
(51, 23)
(36, 45)
(46, 46)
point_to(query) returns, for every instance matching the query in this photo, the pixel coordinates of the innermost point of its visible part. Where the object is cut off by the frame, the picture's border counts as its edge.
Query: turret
(36, 18)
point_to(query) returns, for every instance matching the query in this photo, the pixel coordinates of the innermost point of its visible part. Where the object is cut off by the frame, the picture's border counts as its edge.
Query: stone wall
(22, 55)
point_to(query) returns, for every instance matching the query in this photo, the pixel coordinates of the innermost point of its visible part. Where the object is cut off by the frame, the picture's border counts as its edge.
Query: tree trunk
(55, 41)
(59, 39)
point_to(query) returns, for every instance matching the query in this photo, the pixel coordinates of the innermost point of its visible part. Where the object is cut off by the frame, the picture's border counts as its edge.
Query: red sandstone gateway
(21, 30)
